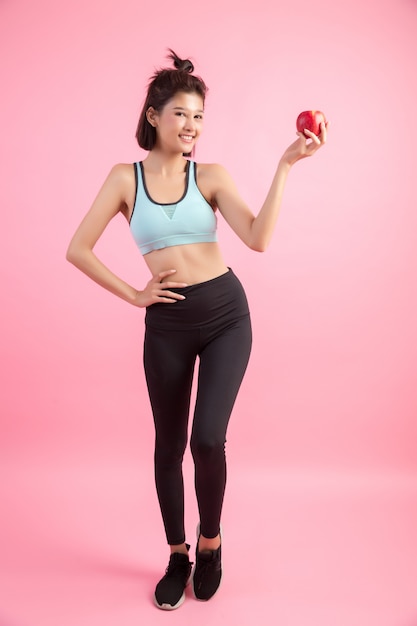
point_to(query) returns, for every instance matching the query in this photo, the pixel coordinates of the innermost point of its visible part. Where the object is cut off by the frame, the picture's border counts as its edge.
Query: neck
(160, 162)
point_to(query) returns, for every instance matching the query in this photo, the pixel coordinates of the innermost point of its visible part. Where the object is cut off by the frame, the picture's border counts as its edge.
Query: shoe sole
(170, 607)
(192, 573)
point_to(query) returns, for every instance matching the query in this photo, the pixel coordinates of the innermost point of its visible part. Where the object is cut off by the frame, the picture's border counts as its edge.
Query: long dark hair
(163, 86)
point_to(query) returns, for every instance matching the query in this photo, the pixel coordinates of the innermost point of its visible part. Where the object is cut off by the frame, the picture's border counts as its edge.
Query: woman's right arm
(111, 199)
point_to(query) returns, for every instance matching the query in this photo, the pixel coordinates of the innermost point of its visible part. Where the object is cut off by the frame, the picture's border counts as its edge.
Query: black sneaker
(169, 592)
(207, 572)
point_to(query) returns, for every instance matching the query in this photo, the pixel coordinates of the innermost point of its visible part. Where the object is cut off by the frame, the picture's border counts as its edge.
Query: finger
(312, 136)
(172, 285)
(170, 294)
(302, 138)
(323, 132)
(167, 300)
(164, 274)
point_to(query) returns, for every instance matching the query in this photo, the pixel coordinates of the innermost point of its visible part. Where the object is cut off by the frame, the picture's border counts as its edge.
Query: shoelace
(181, 568)
(204, 564)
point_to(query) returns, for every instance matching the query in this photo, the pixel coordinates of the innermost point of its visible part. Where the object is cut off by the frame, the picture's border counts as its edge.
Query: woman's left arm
(256, 232)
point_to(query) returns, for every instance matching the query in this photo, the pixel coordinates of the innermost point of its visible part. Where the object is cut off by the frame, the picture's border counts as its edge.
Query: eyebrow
(184, 109)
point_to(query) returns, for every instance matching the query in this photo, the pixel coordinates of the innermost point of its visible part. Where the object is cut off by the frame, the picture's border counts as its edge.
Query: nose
(189, 123)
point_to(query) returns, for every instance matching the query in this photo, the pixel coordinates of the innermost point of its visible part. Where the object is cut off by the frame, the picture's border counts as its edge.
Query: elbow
(74, 254)
(258, 241)
(71, 255)
(258, 246)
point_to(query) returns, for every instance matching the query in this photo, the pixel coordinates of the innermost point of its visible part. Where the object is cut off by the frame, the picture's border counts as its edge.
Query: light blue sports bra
(156, 225)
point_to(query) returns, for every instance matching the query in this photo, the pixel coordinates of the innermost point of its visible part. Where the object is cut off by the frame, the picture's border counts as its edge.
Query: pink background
(322, 444)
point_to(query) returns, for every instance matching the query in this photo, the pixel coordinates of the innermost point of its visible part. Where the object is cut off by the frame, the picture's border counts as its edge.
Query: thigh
(169, 358)
(223, 363)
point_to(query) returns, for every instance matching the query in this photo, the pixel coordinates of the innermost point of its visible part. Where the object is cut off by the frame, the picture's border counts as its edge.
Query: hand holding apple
(316, 125)
(310, 120)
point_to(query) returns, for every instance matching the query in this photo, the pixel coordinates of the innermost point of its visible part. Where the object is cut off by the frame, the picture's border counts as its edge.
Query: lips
(187, 138)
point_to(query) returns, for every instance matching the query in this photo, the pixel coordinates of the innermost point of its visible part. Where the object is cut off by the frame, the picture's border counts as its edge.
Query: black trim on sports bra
(187, 174)
(196, 184)
(135, 167)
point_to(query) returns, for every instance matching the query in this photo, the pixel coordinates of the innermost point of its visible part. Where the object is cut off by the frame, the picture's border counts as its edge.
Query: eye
(198, 117)
(179, 113)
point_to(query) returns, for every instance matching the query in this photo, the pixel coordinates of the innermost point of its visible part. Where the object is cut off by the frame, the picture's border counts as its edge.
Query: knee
(206, 450)
(169, 453)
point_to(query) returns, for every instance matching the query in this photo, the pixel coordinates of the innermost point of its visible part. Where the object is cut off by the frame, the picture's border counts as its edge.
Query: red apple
(310, 120)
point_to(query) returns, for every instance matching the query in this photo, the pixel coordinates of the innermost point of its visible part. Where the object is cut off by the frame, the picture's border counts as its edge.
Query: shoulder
(119, 187)
(210, 169)
(122, 173)
(214, 182)
(121, 181)
(213, 174)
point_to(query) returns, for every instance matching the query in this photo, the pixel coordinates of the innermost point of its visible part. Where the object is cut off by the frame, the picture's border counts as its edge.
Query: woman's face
(179, 124)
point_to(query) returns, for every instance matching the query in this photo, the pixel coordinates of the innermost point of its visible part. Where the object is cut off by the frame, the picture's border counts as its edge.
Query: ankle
(205, 543)
(181, 548)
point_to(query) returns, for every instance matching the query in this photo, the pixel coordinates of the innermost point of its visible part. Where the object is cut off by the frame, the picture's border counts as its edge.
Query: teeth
(187, 137)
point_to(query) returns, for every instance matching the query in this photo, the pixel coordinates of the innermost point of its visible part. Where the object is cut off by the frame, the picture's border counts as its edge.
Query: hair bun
(183, 65)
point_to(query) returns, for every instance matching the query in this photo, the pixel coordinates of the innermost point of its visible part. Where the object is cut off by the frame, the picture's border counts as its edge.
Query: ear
(151, 116)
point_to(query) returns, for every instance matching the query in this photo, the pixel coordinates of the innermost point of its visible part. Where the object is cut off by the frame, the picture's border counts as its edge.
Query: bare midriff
(194, 263)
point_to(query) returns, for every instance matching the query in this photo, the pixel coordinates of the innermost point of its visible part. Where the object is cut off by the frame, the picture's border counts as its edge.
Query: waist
(220, 299)
(194, 263)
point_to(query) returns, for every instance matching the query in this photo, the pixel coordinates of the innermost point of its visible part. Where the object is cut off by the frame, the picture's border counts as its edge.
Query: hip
(221, 299)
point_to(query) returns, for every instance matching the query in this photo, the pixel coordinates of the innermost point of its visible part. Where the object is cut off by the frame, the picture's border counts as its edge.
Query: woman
(195, 305)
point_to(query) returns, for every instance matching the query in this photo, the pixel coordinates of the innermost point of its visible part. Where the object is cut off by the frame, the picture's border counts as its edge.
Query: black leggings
(212, 323)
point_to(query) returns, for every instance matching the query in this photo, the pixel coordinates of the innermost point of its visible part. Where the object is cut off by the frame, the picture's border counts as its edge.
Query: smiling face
(179, 124)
